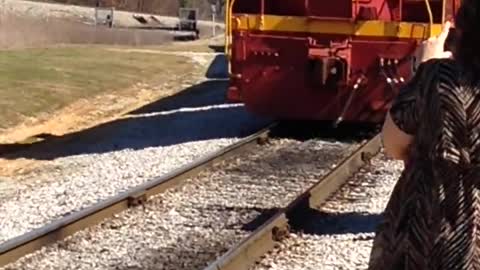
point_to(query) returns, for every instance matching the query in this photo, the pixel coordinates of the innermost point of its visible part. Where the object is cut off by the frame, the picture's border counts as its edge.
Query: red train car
(326, 59)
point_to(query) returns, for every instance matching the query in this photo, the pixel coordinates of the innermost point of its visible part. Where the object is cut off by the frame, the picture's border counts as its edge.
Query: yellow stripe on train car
(373, 28)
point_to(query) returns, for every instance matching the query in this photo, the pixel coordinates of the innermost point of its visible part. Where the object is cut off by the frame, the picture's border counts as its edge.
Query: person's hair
(467, 45)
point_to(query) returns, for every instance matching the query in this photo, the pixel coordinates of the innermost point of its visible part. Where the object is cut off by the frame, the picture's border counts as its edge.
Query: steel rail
(243, 255)
(15, 248)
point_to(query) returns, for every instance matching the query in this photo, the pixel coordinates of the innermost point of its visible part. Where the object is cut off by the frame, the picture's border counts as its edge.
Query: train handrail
(430, 17)
(228, 36)
(227, 25)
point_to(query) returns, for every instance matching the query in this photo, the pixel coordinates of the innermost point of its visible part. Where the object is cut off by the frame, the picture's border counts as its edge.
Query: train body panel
(324, 59)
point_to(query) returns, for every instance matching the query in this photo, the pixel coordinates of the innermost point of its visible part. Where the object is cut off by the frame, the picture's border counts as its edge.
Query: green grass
(33, 81)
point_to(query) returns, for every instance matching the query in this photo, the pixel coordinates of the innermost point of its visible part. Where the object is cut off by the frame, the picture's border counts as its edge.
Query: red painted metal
(322, 77)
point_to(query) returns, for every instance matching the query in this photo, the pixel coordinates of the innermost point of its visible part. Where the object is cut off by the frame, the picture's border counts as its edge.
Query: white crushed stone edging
(188, 228)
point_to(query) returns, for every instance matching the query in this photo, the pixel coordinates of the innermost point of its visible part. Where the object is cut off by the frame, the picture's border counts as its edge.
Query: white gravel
(134, 150)
(80, 182)
(342, 236)
(189, 227)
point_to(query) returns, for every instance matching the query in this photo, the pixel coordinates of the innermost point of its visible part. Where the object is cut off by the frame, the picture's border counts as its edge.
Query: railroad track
(276, 229)
(20, 246)
(250, 249)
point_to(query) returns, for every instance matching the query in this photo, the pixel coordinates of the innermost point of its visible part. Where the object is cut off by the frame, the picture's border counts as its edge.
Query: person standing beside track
(432, 220)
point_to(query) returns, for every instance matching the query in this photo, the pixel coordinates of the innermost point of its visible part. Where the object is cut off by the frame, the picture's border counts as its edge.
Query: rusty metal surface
(250, 249)
(247, 252)
(18, 247)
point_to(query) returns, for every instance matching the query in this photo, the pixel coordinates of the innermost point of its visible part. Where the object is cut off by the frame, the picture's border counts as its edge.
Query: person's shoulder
(439, 62)
(434, 67)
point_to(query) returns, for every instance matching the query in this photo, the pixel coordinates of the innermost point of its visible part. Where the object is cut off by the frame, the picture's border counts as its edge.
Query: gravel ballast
(189, 227)
(340, 235)
(134, 150)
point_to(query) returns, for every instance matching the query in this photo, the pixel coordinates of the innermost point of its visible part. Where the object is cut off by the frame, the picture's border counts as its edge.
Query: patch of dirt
(18, 32)
(198, 57)
(85, 14)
